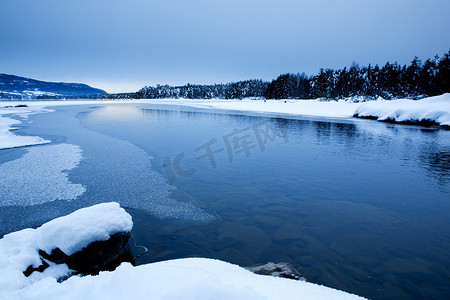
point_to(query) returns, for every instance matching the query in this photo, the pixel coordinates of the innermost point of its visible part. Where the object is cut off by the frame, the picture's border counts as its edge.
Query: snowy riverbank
(429, 110)
(7, 138)
(192, 278)
(432, 110)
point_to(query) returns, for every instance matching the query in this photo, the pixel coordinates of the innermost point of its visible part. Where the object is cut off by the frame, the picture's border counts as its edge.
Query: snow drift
(432, 110)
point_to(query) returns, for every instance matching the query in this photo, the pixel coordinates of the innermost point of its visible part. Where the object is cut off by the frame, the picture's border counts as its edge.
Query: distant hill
(16, 87)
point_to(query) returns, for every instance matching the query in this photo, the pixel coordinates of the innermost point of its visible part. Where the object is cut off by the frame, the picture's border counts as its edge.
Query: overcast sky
(122, 45)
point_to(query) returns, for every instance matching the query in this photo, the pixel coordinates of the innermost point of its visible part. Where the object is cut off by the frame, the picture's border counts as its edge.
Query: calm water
(357, 205)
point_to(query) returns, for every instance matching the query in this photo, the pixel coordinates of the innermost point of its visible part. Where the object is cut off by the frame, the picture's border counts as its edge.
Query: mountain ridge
(18, 87)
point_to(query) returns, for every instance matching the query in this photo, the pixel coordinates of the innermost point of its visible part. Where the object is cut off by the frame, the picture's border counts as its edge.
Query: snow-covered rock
(20, 250)
(73, 232)
(426, 111)
(282, 270)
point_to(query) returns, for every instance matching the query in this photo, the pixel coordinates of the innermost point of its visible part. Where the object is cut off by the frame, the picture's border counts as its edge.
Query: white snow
(40, 176)
(192, 278)
(435, 109)
(71, 233)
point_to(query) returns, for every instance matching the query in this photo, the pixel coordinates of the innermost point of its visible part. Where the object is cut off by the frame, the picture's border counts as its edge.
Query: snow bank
(435, 109)
(432, 109)
(71, 233)
(335, 109)
(10, 140)
(192, 278)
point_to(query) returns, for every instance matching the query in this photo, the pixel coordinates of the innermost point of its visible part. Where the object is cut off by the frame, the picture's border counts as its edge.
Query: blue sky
(124, 45)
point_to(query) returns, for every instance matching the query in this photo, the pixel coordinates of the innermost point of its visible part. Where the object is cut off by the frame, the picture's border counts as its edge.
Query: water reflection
(439, 164)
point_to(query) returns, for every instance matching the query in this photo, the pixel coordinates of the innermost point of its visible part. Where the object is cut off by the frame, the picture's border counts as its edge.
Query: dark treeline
(391, 81)
(235, 90)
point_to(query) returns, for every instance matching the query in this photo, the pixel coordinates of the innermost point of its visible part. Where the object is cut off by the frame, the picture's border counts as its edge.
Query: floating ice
(39, 176)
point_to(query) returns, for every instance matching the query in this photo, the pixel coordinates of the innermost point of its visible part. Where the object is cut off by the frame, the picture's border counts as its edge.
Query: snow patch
(40, 176)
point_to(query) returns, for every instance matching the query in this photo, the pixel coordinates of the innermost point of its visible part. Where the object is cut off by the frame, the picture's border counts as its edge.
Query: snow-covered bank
(334, 109)
(339, 109)
(432, 109)
(193, 278)
(9, 139)
(429, 110)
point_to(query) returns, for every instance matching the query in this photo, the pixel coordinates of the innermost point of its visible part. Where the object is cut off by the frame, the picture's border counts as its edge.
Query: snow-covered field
(192, 278)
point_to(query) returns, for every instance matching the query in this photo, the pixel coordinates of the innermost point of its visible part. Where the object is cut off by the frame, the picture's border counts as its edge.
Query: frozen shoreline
(189, 278)
(432, 110)
(435, 109)
(7, 138)
(428, 111)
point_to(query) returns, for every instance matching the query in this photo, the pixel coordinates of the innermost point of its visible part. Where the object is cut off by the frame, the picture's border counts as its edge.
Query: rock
(31, 269)
(282, 269)
(97, 256)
